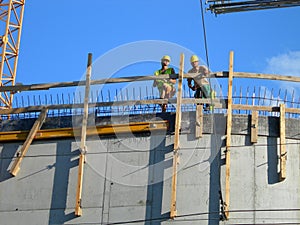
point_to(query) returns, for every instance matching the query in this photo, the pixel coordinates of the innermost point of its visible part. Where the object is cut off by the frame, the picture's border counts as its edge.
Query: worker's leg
(162, 92)
(170, 91)
(164, 107)
(206, 94)
(206, 91)
(198, 93)
(162, 95)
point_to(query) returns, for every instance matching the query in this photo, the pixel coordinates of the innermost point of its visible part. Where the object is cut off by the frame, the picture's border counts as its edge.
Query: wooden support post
(20, 155)
(173, 210)
(283, 153)
(228, 136)
(254, 126)
(199, 121)
(78, 207)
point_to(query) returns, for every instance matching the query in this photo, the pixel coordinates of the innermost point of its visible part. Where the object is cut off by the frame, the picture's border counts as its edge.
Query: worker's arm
(173, 81)
(189, 80)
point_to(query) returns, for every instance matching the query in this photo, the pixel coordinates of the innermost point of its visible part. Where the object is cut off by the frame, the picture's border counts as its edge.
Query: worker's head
(194, 60)
(165, 60)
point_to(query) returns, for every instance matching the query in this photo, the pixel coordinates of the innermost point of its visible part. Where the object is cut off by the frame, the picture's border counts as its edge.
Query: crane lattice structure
(221, 7)
(11, 18)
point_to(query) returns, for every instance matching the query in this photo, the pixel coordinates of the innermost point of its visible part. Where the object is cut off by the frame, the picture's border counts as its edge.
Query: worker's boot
(164, 107)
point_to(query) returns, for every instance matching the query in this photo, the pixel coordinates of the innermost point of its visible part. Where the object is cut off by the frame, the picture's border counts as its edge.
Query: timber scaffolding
(249, 104)
(135, 100)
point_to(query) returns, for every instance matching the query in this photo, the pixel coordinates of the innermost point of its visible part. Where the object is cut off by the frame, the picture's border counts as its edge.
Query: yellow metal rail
(137, 127)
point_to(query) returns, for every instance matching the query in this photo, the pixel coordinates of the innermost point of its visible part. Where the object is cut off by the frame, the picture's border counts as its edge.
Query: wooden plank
(78, 208)
(265, 108)
(228, 136)
(256, 108)
(217, 103)
(283, 152)
(47, 86)
(254, 126)
(36, 126)
(173, 209)
(266, 76)
(199, 121)
(222, 74)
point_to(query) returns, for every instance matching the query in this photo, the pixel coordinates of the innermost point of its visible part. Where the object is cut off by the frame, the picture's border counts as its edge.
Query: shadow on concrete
(273, 175)
(7, 154)
(215, 194)
(248, 140)
(157, 154)
(64, 162)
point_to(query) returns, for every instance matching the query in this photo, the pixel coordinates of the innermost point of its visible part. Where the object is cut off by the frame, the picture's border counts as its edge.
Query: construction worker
(165, 86)
(200, 84)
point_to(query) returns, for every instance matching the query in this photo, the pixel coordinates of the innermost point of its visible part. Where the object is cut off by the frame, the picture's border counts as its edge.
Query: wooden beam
(222, 74)
(266, 76)
(199, 121)
(228, 136)
(265, 108)
(47, 86)
(178, 104)
(254, 126)
(78, 207)
(283, 153)
(20, 155)
(173, 208)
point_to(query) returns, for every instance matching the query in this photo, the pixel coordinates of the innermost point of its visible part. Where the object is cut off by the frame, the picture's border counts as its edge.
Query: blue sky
(57, 36)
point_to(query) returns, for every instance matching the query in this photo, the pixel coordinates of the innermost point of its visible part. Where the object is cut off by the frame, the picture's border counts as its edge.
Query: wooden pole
(199, 121)
(228, 136)
(173, 210)
(78, 207)
(36, 126)
(254, 126)
(283, 153)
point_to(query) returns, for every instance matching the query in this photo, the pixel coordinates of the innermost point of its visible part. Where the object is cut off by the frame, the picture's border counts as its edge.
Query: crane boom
(11, 19)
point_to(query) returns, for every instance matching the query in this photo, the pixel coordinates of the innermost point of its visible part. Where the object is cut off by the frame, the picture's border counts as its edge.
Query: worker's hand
(154, 83)
(173, 81)
(192, 87)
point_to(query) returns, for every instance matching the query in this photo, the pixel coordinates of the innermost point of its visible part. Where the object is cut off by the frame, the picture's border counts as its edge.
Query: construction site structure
(237, 166)
(11, 19)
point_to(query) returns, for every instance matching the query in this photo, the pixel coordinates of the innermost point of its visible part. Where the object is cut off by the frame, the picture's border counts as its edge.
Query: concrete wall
(127, 178)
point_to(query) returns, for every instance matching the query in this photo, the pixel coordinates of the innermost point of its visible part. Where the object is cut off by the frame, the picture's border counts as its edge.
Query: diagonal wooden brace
(78, 206)
(36, 126)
